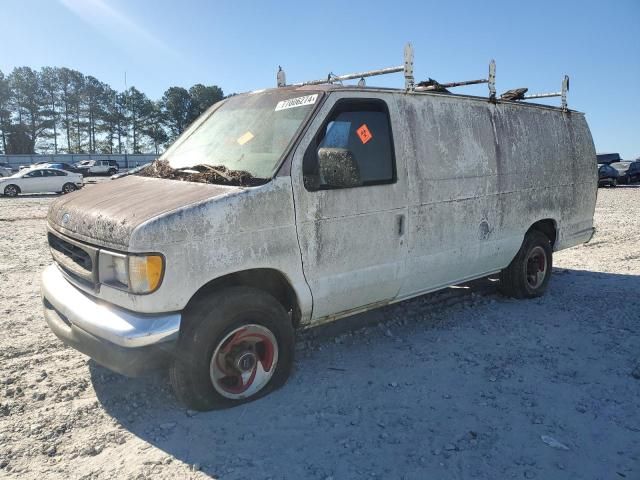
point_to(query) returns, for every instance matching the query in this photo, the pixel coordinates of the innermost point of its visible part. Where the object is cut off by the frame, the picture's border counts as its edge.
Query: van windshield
(247, 133)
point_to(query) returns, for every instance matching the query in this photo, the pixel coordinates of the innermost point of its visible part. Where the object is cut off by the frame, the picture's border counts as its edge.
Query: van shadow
(372, 395)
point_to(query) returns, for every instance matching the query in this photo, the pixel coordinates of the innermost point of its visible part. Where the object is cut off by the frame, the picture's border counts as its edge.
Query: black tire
(68, 188)
(112, 171)
(11, 190)
(206, 324)
(515, 280)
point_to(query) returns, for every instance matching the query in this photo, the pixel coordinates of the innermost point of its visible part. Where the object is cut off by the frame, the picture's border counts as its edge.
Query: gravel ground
(459, 384)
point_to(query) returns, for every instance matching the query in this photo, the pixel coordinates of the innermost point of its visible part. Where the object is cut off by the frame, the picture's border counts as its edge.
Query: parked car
(33, 165)
(633, 172)
(5, 170)
(607, 175)
(314, 203)
(98, 167)
(40, 180)
(63, 166)
(628, 172)
(607, 158)
(83, 164)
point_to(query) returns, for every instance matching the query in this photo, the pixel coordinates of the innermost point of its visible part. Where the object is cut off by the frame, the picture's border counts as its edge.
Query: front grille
(76, 259)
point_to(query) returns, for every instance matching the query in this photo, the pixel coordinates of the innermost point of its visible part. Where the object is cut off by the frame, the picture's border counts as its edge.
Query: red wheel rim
(244, 361)
(536, 269)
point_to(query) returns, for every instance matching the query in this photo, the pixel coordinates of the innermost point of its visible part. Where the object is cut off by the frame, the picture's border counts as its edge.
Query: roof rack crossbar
(450, 85)
(562, 93)
(331, 78)
(542, 95)
(491, 81)
(407, 68)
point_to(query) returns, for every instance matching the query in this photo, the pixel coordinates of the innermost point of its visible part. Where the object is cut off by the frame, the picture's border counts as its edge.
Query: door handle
(400, 224)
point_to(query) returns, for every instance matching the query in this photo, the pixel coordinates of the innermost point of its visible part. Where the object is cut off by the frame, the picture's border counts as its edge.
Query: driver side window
(355, 144)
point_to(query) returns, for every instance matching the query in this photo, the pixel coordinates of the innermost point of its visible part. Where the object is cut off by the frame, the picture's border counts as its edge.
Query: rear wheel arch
(529, 272)
(547, 226)
(268, 280)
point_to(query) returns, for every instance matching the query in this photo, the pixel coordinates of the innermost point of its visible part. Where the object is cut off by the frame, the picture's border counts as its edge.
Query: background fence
(124, 160)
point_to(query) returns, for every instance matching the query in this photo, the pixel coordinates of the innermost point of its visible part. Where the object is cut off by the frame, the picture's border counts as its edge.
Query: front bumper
(124, 341)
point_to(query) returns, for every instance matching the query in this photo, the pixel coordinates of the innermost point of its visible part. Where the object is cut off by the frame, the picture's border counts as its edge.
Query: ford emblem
(65, 218)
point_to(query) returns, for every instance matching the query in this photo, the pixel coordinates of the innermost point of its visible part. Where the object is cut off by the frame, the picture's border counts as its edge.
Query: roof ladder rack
(430, 85)
(562, 94)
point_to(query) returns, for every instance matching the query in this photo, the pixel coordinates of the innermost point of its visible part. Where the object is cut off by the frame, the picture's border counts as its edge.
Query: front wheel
(11, 190)
(68, 188)
(235, 346)
(528, 274)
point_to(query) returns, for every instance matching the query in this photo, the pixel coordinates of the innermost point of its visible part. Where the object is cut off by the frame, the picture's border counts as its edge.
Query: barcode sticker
(297, 102)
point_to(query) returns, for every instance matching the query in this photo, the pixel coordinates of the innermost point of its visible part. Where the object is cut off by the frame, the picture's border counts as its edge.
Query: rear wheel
(528, 274)
(68, 188)
(236, 346)
(11, 190)
(112, 171)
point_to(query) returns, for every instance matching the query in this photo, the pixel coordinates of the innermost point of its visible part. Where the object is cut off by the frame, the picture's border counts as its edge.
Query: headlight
(134, 273)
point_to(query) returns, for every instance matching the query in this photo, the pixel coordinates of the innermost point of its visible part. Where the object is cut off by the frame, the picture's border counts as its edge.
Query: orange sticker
(364, 133)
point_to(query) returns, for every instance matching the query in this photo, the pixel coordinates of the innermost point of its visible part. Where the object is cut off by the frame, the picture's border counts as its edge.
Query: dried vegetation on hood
(200, 173)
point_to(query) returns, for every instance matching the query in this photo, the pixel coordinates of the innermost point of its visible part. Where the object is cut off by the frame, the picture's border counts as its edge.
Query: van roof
(329, 87)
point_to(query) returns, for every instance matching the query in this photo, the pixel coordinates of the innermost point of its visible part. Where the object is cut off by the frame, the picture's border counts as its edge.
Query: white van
(328, 200)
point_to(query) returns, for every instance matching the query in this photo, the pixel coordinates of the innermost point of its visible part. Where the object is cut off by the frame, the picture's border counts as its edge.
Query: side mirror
(338, 168)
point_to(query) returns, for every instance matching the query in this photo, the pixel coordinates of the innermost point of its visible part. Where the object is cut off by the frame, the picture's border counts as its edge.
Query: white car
(40, 180)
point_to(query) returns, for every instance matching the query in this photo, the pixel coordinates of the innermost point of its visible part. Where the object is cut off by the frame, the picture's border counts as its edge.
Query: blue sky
(238, 46)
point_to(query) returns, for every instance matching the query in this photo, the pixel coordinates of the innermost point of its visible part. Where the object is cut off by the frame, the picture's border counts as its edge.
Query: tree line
(60, 110)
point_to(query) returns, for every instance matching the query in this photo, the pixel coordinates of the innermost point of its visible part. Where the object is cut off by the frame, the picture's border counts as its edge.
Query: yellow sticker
(245, 138)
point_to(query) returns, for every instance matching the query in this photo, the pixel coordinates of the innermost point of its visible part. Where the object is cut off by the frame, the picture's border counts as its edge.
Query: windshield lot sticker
(364, 134)
(244, 138)
(297, 102)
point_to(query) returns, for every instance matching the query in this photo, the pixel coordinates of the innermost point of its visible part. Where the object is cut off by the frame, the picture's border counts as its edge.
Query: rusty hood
(107, 214)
